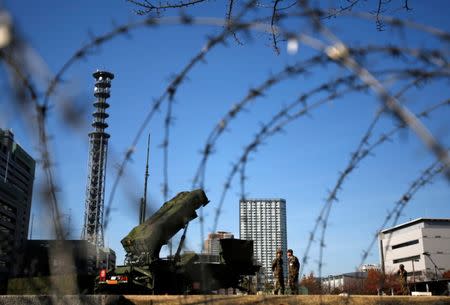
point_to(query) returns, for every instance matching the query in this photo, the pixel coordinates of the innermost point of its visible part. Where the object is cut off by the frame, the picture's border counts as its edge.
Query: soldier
(402, 276)
(277, 268)
(293, 267)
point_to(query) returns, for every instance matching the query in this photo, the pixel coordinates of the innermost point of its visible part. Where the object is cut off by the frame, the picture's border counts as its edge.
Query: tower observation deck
(98, 148)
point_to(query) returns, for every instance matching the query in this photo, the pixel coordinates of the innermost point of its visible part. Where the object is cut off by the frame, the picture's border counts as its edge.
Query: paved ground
(222, 300)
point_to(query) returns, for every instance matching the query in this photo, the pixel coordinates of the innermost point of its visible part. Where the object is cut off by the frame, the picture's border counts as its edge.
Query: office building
(421, 245)
(212, 243)
(264, 222)
(16, 188)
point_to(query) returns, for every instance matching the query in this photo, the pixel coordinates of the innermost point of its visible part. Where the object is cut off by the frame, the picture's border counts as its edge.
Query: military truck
(189, 273)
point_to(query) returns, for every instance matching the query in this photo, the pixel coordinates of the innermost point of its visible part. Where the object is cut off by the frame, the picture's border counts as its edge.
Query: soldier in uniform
(277, 269)
(402, 276)
(293, 267)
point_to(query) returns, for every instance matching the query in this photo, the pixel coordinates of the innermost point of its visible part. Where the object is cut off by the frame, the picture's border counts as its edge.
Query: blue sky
(299, 165)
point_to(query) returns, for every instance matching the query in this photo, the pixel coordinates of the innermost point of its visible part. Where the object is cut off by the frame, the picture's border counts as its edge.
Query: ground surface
(278, 300)
(223, 300)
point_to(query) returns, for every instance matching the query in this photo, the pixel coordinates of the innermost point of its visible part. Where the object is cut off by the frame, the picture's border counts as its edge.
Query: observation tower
(98, 148)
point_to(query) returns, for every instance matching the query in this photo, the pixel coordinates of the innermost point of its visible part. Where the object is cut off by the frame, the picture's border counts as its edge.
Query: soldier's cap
(279, 251)
(290, 251)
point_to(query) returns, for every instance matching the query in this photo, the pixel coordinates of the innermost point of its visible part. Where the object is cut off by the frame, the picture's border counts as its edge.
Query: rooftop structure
(367, 267)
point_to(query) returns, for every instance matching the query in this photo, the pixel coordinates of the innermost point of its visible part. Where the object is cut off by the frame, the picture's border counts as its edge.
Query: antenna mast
(144, 199)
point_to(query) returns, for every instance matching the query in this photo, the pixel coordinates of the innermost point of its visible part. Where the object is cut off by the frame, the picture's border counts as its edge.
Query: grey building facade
(16, 187)
(264, 222)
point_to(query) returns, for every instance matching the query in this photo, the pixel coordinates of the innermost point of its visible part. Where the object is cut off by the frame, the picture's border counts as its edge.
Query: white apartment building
(421, 245)
(264, 222)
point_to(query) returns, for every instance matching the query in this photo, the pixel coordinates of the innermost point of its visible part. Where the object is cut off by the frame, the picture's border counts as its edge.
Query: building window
(405, 244)
(406, 259)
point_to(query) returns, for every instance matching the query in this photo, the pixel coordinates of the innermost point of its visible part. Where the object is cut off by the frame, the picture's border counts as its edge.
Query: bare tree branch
(150, 7)
(272, 23)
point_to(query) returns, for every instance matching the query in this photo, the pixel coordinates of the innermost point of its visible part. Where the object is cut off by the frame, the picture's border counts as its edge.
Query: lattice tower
(98, 148)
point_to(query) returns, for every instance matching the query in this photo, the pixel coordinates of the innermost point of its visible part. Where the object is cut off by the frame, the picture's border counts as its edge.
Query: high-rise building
(421, 245)
(212, 243)
(16, 188)
(264, 222)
